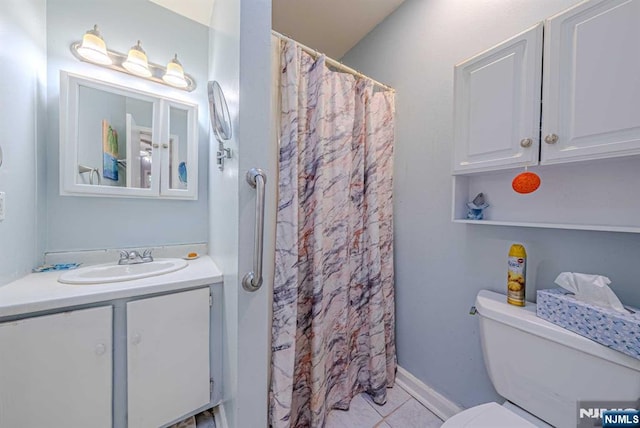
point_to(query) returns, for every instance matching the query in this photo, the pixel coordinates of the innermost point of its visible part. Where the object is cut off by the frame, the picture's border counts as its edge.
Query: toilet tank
(546, 369)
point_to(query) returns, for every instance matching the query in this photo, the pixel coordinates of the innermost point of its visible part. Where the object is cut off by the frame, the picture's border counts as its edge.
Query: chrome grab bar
(257, 179)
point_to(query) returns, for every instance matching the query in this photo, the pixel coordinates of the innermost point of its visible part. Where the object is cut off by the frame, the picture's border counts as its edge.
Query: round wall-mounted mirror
(220, 119)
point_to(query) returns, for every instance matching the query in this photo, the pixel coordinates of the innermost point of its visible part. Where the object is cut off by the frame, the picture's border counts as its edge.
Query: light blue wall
(76, 223)
(22, 134)
(256, 150)
(440, 266)
(224, 67)
(240, 61)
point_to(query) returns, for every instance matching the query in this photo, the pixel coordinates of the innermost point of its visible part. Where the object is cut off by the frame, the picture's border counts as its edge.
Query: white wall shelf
(599, 195)
(600, 228)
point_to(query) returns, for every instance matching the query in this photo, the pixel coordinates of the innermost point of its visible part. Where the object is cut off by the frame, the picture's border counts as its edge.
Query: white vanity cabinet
(591, 96)
(141, 362)
(167, 357)
(497, 105)
(590, 92)
(56, 370)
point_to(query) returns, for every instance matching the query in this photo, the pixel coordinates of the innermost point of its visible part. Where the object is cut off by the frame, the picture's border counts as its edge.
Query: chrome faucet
(133, 257)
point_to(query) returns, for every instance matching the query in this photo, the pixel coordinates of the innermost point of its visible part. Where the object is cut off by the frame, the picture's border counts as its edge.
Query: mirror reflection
(114, 139)
(178, 124)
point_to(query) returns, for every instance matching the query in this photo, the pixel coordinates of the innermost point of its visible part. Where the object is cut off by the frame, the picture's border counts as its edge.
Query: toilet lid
(489, 415)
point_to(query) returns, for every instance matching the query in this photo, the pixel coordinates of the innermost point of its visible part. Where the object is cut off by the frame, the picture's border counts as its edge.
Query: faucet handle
(124, 257)
(146, 255)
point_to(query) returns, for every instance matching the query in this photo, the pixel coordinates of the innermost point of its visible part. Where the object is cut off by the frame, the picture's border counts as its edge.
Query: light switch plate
(1, 206)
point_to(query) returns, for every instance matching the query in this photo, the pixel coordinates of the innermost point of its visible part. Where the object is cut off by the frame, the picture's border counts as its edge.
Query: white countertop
(41, 291)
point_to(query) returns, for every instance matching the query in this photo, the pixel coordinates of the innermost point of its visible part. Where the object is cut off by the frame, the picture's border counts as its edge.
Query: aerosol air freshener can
(516, 275)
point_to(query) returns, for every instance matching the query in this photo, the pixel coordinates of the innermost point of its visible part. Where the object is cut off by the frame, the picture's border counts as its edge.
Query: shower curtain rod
(332, 62)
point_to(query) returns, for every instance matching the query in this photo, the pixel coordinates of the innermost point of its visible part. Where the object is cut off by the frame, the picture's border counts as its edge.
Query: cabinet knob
(100, 349)
(526, 142)
(165, 146)
(156, 145)
(136, 339)
(551, 139)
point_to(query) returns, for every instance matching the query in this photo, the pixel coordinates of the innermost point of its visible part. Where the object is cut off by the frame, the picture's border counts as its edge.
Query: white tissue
(593, 289)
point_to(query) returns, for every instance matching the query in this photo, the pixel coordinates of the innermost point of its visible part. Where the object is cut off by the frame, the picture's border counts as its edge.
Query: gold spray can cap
(517, 250)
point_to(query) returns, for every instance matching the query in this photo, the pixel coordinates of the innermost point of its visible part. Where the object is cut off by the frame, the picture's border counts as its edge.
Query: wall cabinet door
(179, 151)
(497, 105)
(167, 357)
(56, 370)
(591, 96)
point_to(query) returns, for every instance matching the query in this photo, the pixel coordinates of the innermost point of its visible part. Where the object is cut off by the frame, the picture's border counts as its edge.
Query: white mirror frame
(69, 107)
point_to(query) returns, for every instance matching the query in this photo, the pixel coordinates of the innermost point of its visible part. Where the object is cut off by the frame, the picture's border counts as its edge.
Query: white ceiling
(198, 10)
(330, 26)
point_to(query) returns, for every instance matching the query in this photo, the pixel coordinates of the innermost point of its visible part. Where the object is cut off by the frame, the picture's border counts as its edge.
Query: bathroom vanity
(139, 353)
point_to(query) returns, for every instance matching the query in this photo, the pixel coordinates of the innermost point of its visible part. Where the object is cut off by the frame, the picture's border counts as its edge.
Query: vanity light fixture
(175, 74)
(137, 62)
(93, 49)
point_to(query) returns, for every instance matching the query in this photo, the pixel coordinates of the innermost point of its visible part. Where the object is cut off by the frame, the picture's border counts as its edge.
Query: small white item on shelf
(593, 289)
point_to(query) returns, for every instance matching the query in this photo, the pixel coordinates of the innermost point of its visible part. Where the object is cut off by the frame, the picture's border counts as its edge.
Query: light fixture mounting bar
(157, 71)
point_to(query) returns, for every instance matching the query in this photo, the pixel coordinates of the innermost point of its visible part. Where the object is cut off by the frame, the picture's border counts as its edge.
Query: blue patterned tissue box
(611, 328)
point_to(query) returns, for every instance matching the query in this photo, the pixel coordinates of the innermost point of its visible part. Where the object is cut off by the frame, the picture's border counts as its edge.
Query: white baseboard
(429, 397)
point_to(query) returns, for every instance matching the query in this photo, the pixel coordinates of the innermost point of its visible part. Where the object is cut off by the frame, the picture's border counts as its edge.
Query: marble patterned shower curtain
(333, 309)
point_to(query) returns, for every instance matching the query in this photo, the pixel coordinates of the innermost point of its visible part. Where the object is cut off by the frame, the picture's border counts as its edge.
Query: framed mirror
(118, 141)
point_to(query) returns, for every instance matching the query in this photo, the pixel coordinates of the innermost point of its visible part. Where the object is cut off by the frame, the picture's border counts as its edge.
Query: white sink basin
(113, 272)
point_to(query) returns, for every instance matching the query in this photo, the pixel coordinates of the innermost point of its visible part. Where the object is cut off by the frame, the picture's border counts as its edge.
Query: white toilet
(542, 370)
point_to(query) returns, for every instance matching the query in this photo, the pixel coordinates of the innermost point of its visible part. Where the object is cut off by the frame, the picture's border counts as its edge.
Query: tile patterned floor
(400, 411)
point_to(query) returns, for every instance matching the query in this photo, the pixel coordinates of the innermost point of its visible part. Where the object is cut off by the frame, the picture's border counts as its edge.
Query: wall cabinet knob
(156, 145)
(551, 139)
(165, 146)
(100, 349)
(526, 142)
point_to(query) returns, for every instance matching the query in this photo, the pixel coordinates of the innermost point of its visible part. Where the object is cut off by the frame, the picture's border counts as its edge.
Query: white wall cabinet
(120, 141)
(56, 370)
(590, 97)
(590, 88)
(167, 357)
(497, 105)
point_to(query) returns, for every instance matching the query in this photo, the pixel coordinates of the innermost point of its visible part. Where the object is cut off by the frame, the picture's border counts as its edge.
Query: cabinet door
(591, 96)
(179, 177)
(168, 357)
(56, 370)
(497, 105)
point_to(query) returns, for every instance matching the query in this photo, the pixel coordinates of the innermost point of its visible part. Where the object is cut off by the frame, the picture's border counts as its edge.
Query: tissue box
(611, 328)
